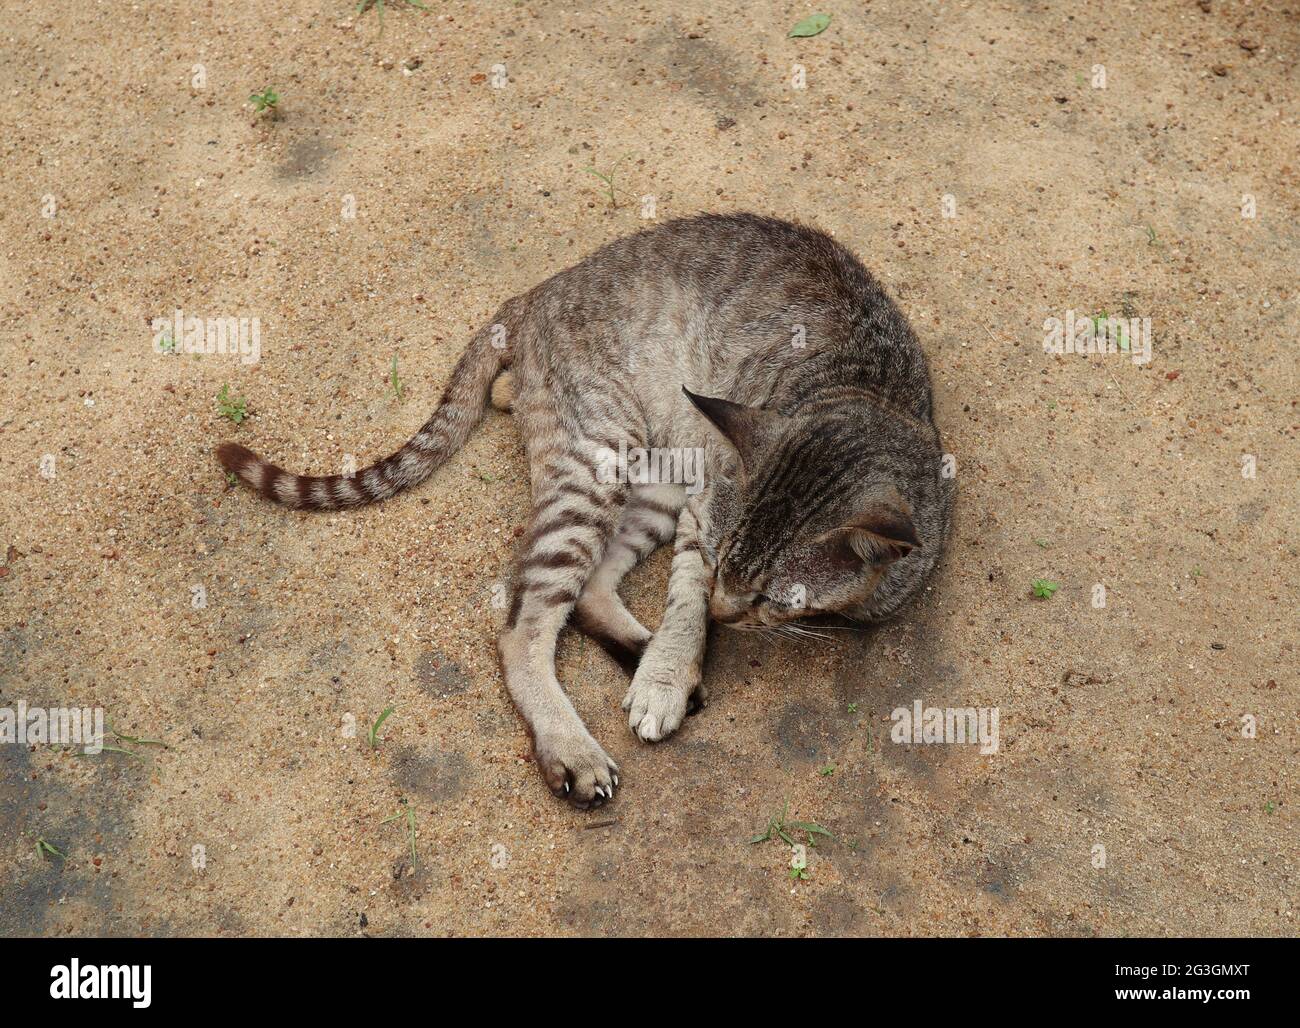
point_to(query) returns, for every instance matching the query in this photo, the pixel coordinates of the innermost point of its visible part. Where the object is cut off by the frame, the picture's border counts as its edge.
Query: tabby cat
(765, 347)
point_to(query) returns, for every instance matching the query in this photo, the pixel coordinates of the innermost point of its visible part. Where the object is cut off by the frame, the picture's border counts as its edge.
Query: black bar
(336, 977)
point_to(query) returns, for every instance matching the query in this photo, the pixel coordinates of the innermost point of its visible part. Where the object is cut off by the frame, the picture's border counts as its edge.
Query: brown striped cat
(761, 346)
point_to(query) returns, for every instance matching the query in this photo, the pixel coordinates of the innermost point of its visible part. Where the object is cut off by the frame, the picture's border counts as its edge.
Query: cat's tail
(460, 410)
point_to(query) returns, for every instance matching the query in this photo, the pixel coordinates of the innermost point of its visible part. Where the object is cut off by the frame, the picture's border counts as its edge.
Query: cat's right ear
(749, 429)
(882, 534)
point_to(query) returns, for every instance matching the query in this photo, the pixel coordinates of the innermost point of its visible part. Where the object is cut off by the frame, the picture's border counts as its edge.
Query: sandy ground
(1121, 726)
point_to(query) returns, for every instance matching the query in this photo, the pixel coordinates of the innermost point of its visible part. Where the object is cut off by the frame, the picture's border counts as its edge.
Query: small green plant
(777, 826)
(134, 740)
(233, 407)
(813, 25)
(266, 100)
(1043, 543)
(1043, 589)
(853, 708)
(373, 733)
(799, 872)
(1268, 807)
(231, 478)
(105, 748)
(609, 179)
(166, 343)
(45, 850)
(409, 814)
(1099, 330)
(398, 390)
(137, 740)
(378, 5)
(828, 770)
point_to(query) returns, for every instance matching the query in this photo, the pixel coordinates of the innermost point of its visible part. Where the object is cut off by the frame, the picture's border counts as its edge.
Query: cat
(763, 345)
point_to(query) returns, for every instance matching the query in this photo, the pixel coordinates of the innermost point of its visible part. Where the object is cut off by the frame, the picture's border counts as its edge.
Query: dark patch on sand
(808, 731)
(439, 676)
(436, 776)
(305, 158)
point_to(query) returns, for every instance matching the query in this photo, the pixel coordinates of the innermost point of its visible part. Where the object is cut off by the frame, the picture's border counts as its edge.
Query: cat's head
(814, 519)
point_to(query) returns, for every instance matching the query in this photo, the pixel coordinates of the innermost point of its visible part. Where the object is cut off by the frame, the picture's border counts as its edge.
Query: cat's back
(781, 293)
(743, 290)
(722, 251)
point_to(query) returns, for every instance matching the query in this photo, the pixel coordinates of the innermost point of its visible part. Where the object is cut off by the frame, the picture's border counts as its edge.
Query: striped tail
(460, 410)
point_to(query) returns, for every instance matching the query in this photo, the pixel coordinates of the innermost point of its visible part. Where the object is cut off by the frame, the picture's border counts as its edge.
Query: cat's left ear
(881, 535)
(749, 429)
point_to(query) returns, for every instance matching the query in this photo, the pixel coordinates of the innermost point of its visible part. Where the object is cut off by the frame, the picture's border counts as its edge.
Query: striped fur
(763, 345)
(461, 408)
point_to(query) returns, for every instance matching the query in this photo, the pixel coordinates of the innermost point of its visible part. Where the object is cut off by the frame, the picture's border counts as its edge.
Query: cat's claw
(576, 768)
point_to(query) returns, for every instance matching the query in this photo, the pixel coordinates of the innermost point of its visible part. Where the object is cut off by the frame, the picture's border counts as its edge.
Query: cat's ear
(881, 535)
(749, 429)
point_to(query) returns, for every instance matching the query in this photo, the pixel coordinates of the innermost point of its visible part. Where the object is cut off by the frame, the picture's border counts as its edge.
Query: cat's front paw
(658, 698)
(575, 767)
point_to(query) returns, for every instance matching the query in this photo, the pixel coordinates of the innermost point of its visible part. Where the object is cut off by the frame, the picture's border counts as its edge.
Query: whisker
(803, 631)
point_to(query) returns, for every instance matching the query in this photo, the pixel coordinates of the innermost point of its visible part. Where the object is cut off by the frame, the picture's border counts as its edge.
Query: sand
(1121, 726)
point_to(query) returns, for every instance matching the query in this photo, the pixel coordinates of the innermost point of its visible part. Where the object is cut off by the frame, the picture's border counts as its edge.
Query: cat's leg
(573, 519)
(649, 520)
(669, 672)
